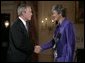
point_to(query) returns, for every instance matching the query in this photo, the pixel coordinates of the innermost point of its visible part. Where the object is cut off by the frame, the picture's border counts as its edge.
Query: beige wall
(9, 7)
(44, 10)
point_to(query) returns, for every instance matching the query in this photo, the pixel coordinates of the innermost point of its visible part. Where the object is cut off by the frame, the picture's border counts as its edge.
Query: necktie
(27, 26)
(28, 30)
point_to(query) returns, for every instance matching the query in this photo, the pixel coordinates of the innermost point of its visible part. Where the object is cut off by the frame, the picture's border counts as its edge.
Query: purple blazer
(66, 45)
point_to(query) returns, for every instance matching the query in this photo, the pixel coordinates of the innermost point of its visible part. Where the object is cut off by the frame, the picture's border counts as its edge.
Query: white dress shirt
(24, 22)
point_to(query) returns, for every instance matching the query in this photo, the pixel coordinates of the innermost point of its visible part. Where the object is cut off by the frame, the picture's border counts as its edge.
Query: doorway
(4, 34)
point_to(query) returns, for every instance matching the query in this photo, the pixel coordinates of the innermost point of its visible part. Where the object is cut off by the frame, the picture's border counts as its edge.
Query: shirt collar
(24, 22)
(61, 22)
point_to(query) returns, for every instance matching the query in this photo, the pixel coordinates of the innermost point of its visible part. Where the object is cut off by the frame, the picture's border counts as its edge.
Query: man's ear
(24, 12)
(60, 14)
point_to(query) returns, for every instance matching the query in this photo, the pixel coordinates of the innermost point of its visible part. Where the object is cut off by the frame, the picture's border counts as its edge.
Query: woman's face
(55, 16)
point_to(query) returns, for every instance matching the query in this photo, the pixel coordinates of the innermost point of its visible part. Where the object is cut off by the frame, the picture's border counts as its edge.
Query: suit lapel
(23, 29)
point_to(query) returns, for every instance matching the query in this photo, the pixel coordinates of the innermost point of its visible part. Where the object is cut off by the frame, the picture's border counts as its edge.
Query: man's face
(28, 13)
(55, 16)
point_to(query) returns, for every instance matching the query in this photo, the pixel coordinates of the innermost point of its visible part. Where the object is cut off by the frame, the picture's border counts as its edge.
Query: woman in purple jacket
(63, 41)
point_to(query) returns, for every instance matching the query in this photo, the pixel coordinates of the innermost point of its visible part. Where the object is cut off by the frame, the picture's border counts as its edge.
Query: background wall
(10, 8)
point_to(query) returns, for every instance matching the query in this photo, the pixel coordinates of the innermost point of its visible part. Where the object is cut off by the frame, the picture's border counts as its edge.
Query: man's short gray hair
(21, 7)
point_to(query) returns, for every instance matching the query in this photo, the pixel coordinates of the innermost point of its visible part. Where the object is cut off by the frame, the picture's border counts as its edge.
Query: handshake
(37, 49)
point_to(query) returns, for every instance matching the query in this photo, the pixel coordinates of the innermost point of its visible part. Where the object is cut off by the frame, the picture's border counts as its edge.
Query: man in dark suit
(21, 47)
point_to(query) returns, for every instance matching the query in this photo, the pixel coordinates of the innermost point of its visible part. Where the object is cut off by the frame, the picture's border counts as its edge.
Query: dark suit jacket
(20, 46)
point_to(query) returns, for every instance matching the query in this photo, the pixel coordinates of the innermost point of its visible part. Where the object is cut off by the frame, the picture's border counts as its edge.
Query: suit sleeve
(69, 47)
(20, 40)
